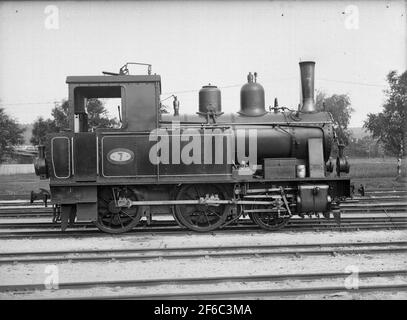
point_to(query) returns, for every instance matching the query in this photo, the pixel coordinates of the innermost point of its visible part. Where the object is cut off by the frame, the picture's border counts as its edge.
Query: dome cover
(252, 98)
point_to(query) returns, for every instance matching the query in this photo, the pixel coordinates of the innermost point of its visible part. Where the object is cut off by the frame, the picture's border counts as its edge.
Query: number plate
(120, 156)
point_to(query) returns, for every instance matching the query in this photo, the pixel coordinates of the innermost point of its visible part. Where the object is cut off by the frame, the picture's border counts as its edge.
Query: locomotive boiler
(207, 169)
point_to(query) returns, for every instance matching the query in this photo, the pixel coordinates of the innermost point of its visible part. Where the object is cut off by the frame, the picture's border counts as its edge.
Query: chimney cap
(307, 61)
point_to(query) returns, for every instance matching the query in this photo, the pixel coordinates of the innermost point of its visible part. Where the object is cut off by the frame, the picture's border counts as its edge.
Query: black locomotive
(206, 169)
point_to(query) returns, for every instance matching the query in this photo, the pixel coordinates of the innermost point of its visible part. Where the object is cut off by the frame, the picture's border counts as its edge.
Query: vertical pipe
(41, 151)
(307, 70)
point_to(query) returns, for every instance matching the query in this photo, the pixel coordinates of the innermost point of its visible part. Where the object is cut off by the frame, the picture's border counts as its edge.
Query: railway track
(219, 287)
(203, 252)
(295, 222)
(390, 204)
(173, 229)
(244, 286)
(373, 212)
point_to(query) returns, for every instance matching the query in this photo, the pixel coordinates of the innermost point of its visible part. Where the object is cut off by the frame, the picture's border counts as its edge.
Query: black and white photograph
(203, 155)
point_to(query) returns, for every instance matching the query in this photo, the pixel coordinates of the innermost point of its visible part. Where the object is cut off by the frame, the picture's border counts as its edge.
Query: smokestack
(307, 69)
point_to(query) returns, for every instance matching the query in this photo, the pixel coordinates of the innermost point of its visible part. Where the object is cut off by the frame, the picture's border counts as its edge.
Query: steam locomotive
(207, 169)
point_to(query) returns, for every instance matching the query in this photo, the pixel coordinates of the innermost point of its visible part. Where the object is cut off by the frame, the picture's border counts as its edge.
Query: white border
(69, 157)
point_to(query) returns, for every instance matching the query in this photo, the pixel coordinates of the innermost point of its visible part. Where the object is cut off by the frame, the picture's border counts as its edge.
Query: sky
(190, 44)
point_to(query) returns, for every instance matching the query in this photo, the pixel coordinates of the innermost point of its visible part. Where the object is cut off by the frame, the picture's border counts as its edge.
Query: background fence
(8, 169)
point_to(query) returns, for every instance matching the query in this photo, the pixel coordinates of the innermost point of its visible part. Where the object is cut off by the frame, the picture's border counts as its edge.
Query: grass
(21, 184)
(373, 173)
(377, 172)
(376, 167)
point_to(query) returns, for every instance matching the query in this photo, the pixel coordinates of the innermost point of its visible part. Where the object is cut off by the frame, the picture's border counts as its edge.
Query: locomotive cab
(139, 96)
(73, 154)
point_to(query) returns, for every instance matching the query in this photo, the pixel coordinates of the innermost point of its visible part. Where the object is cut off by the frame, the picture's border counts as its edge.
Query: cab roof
(113, 79)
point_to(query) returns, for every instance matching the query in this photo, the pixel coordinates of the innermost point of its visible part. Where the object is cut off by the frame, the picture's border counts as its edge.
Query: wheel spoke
(191, 218)
(120, 220)
(207, 219)
(197, 192)
(214, 212)
(124, 212)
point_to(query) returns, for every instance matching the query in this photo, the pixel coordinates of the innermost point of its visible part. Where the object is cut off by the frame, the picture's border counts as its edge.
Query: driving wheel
(113, 219)
(201, 217)
(267, 220)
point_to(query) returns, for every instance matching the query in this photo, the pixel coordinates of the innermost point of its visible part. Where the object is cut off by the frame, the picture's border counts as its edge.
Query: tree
(364, 147)
(60, 115)
(10, 134)
(40, 129)
(340, 107)
(97, 118)
(390, 125)
(163, 108)
(97, 115)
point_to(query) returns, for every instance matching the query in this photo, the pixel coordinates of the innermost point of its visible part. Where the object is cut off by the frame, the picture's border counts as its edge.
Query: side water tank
(210, 99)
(252, 98)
